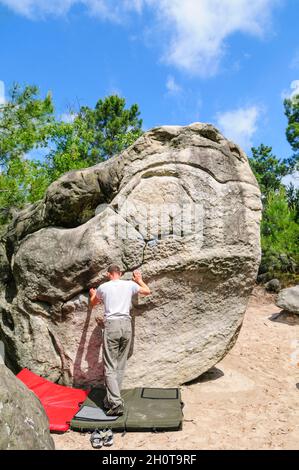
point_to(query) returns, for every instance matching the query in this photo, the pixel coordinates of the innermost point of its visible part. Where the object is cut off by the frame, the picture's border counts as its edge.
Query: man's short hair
(114, 268)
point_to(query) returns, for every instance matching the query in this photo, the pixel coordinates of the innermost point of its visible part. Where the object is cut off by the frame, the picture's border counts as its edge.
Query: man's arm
(94, 299)
(144, 289)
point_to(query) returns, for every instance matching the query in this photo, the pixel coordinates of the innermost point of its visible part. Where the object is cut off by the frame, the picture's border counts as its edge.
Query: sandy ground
(250, 400)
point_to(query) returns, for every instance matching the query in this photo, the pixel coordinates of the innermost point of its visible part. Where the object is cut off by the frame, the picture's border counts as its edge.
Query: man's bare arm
(94, 300)
(144, 289)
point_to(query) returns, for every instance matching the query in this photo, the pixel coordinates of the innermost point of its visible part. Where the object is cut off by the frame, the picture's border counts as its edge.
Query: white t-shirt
(117, 297)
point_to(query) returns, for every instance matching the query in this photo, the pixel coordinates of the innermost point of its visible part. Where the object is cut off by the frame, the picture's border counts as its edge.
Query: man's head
(113, 272)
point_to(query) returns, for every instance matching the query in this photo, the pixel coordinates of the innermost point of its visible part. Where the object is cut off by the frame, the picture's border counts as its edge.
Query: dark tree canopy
(94, 135)
(268, 169)
(26, 122)
(291, 107)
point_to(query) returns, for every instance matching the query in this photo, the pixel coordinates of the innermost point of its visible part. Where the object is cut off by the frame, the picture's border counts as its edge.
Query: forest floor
(249, 400)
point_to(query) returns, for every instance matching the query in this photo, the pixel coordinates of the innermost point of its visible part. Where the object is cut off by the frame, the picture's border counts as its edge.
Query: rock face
(183, 205)
(23, 422)
(288, 299)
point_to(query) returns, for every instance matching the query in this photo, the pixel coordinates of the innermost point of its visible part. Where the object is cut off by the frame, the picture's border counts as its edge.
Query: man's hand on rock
(92, 292)
(144, 289)
(137, 276)
(100, 321)
(94, 299)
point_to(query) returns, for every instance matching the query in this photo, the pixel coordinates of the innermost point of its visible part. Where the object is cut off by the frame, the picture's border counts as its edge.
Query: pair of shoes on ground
(101, 437)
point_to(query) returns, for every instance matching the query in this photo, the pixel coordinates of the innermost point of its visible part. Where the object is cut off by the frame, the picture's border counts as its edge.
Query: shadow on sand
(212, 374)
(285, 317)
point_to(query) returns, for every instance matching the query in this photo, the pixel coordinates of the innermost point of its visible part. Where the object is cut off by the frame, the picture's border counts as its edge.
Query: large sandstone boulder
(23, 421)
(181, 204)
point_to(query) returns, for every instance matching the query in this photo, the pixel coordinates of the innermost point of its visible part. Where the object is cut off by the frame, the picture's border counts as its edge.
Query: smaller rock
(288, 299)
(262, 278)
(273, 286)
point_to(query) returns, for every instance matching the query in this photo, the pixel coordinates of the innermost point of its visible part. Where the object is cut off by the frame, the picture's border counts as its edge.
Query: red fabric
(60, 403)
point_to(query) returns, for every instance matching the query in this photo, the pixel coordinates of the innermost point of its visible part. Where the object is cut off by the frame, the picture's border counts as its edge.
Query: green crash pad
(146, 409)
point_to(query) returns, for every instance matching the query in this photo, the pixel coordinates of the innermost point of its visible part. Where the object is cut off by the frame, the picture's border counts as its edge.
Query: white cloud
(2, 92)
(294, 90)
(240, 124)
(286, 180)
(106, 9)
(68, 117)
(195, 31)
(199, 28)
(172, 86)
(35, 8)
(113, 88)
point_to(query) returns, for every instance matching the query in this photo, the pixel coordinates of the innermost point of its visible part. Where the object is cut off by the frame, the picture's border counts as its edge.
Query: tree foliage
(268, 169)
(291, 107)
(279, 229)
(28, 122)
(279, 239)
(94, 135)
(292, 194)
(108, 124)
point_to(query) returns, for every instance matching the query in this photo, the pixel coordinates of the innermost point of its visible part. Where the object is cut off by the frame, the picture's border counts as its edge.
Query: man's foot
(106, 404)
(115, 411)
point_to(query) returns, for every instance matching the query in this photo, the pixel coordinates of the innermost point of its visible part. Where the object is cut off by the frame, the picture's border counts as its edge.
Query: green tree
(291, 107)
(279, 239)
(112, 127)
(70, 146)
(94, 135)
(279, 229)
(26, 123)
(268, 169)
(292, 194)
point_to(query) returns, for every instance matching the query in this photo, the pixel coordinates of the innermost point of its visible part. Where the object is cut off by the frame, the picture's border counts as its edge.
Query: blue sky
(228, 62)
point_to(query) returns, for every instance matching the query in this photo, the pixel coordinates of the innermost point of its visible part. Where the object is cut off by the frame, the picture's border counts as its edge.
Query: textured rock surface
(182, 204)
(288, 299)
(273, 285)
(23, 422)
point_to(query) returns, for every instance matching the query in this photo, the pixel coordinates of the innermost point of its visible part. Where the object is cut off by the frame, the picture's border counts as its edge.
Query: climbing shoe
(96, 439)
(115, 411)
(106, 404)
(107, 437)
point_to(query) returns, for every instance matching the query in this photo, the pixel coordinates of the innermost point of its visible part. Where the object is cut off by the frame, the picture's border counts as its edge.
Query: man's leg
(124, 348)
(112, 334)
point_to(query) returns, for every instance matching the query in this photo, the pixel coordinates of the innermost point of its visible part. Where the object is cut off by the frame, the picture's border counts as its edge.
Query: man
(116, 294)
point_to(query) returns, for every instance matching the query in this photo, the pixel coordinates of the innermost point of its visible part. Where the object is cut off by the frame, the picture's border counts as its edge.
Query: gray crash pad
(146, 409)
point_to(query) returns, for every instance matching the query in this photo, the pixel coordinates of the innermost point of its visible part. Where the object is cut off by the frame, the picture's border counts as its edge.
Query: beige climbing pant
(116, 345)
